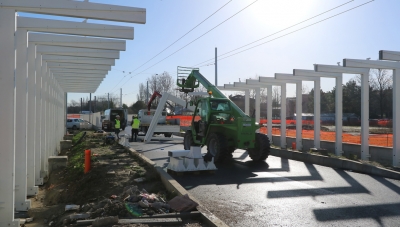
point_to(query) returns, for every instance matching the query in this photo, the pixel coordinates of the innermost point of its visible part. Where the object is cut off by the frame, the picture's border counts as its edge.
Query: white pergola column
(7, 154)
(269, 112)
(38, 119)
(395, 66)
(31, 122)
(288, 78)
(339, 102)
(21, 76)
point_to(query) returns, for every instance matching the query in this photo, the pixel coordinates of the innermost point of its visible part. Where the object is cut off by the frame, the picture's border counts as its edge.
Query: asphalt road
(282, 192)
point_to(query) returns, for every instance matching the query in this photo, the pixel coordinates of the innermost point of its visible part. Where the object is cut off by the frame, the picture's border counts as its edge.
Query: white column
(31, 118)
(269, 112)
(21, 203)
(299, 122)
(7, 99)
(339, 116)
(283, 116)
(247, 102)
(317, 113)
(38, 120)
(257, 104)
(396, 117)
(365, 117)
(43, 167)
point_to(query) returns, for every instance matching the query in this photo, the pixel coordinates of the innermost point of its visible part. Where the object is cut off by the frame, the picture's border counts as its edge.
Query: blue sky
(359, 33)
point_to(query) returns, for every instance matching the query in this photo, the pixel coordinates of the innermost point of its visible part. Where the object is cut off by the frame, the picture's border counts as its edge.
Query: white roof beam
(76, 28)
(78, 60)
(77, 66)
(78, 52)
(76, 41)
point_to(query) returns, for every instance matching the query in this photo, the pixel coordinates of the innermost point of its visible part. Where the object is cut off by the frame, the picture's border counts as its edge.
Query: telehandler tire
(187, 140)
(216, 146)
(261, 150)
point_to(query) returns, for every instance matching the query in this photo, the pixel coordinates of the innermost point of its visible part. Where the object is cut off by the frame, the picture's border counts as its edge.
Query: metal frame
(230, 87)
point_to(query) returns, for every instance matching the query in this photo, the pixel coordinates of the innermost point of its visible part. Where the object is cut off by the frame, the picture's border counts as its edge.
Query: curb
(336, 163)
(174, 187)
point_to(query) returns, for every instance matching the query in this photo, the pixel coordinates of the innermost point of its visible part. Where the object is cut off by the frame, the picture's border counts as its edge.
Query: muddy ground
(101, 191)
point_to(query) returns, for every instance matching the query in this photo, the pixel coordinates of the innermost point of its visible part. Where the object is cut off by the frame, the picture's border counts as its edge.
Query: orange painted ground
(384, 140)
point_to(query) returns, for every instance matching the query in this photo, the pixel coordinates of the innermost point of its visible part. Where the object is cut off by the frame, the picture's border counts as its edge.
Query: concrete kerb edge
(336, 163)
(174, 187)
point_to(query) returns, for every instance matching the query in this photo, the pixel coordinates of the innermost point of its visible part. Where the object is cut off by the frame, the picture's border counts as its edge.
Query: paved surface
(283, 192)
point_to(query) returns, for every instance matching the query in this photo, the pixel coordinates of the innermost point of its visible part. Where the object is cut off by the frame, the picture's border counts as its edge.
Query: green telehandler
(220, 124)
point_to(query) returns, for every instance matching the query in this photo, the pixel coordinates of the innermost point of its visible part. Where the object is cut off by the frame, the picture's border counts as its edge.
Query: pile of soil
(101, 192)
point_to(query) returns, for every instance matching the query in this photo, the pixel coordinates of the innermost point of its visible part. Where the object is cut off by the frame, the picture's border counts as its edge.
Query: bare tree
(305, 89)
(141, 96)
(381, 81)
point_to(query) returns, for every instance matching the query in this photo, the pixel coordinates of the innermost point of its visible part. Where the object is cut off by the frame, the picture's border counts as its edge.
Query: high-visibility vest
(135, 123)
(117, 124)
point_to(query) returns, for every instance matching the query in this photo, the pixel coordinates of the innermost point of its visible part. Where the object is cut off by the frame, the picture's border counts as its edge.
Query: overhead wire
(179, 38)
(274, 33)
(294, 31)
(196, 39)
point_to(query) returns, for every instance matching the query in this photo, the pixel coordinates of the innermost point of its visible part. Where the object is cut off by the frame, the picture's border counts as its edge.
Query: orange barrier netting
(383, 140)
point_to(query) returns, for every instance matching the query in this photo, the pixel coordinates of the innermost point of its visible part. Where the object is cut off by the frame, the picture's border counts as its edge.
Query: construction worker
(135, 126)
(117, 126)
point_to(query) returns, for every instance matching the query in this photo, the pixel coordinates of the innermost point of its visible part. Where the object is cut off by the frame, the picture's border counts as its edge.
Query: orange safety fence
(383, 140)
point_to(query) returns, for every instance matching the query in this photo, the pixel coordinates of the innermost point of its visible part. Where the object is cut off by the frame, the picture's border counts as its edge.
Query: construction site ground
(113, 170)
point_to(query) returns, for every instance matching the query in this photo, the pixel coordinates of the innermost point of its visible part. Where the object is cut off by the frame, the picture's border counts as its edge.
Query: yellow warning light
(210, 92)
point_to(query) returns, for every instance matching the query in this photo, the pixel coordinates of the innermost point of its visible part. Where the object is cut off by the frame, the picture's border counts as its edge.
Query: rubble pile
(132, 203)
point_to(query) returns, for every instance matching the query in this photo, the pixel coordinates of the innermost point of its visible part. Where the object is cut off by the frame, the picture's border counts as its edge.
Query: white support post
(317, 113)
(38, 119)
(365, 117)
(269, 112)
(7, 99)
(31, 125)
(44, 131)
(339, 115)
(283, 116)
(247, 102)
(257, 106)
(21, 203)
(396, 117)
(299, 116)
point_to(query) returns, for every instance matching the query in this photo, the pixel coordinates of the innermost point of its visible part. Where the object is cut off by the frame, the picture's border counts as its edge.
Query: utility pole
(216, 73)
(120, 99)
(147, 92)
(81, 105)
(108, 102)
(94, 108)
(90, 106)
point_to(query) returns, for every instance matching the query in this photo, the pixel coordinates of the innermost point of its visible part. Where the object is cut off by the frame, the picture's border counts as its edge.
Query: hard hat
(117, 116)
(135, 115)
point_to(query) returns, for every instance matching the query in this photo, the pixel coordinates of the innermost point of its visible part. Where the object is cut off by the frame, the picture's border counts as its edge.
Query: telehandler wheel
(261, 150)
(187, 140)
(216, 146)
